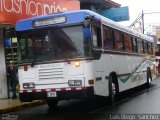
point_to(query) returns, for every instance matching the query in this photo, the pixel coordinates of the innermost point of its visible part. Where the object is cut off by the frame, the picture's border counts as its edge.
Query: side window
(127, 43)
(96, 36)
(118, 40)
(145, 47)
(140, 46)
(134, 44)
(150, 48)
(108, 40)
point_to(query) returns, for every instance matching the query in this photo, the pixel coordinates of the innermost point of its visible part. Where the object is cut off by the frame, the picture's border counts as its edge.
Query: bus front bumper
(62, 94)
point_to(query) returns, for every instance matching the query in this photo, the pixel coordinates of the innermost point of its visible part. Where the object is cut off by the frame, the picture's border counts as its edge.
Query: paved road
(141, 101)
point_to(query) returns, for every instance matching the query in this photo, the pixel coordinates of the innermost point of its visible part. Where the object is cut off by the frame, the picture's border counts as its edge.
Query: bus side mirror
(97, 54)
(86, 23)
(86, 33)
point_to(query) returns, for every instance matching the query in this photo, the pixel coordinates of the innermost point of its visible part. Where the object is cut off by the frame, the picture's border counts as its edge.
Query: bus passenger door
(101, 84)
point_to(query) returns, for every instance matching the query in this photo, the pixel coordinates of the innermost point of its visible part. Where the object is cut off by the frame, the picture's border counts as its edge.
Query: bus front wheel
(113, 87)
(112, 91)
(23, 98)
(52, 103)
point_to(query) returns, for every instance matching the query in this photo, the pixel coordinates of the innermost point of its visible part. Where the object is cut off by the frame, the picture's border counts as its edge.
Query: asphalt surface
(135, 104)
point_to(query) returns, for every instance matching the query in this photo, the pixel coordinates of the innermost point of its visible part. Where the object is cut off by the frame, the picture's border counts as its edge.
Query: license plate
(51, 94)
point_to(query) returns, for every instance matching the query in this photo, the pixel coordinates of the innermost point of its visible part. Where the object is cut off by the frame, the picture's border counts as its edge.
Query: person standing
(12, 72)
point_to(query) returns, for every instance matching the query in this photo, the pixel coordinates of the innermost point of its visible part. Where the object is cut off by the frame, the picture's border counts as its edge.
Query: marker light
(49, 21)
(28, 85)
(91, 82)
(77, 63)
(25, 67)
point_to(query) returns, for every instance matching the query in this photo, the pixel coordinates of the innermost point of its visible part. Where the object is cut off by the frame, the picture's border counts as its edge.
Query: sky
(136, 7)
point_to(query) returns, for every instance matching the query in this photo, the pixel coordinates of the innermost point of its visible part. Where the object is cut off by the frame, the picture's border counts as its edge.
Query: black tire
(113, 87)
(149, 77)
(111, 91)
(52, 104)
(22, 98)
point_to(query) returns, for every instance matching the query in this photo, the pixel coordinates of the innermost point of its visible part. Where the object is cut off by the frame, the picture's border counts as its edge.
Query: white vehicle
(80, 54)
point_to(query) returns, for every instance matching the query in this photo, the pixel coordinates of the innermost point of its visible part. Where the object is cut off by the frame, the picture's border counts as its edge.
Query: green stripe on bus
(126, 78)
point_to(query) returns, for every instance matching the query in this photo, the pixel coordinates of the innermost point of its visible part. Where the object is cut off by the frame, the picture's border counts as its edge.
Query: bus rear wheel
(52, 103)
(149, 77)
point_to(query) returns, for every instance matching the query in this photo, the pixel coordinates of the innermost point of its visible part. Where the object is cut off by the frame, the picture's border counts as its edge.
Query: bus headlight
(28, 85)
(77, 63)
(75, 83)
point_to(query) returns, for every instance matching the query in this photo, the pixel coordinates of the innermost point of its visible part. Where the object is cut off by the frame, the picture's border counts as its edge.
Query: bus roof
(77, 16)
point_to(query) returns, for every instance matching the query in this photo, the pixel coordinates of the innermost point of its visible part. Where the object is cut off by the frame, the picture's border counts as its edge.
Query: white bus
(80, 54)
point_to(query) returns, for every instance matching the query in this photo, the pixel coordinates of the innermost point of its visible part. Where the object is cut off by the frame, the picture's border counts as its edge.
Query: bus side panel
(130, 70)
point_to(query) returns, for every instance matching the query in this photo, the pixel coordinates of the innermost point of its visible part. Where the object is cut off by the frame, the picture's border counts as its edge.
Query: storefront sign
(116, 14)
(13, 10)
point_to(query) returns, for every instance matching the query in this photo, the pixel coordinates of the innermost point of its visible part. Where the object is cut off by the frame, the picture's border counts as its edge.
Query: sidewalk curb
(22, 106)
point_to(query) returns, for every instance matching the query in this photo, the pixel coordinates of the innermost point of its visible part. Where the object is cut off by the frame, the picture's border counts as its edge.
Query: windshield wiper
(66, 59)
(33, 62)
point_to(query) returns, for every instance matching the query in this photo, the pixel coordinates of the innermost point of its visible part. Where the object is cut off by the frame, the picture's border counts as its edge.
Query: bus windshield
(53, 44)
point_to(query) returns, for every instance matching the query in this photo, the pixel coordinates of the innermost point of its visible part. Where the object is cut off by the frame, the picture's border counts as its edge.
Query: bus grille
(51, 73)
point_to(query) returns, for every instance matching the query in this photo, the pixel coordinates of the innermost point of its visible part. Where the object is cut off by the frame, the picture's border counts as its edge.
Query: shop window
(118, 40)
(140, 46)
(10, 42)
(108, 39)
(11, 46)
(128, 43)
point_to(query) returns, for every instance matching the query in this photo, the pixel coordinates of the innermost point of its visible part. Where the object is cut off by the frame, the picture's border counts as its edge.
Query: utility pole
(142, 22)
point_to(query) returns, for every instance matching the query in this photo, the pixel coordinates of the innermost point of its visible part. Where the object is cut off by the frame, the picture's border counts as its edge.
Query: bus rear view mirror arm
(97, 53)
(91, 17)
(87, 21)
